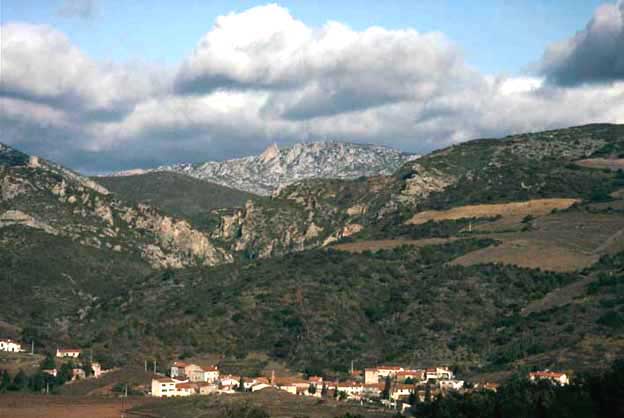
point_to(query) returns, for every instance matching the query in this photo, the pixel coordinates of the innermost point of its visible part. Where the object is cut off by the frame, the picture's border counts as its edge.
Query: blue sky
(496, 36)
(103, 85)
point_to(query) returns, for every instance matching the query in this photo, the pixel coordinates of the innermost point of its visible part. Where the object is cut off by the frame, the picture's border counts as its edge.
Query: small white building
(555, 377)
(67, 353)
(353, 390)
(439, 373)
(166, 387)
(11, 346)
(204, 374)
(97, 369)
(451, 384)
(371, 376)
(401, 390)
(185, 389)
(178, 368)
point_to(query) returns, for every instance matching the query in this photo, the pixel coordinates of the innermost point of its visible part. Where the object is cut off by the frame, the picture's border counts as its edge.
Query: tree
(37, 382)
(65, 374)
(311, 389)
(20, 381)
(48, 363)
(386, 390)
(5, 380)
(241, 384)
(324, 391)
(427, 393)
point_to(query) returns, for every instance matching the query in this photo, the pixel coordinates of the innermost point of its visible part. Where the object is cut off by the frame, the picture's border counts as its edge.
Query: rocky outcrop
(16, 217)
(11, 187)
(184, 244)
(422, 182)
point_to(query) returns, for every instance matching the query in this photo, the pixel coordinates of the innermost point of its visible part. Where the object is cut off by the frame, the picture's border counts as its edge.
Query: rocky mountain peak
(265, 173)
(271, 152)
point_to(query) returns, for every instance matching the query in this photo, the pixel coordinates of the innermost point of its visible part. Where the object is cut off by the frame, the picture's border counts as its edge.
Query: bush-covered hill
(479, 299)
(177, 194)
(319, 310)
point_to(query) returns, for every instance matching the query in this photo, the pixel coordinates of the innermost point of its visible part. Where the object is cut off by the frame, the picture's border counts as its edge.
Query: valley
(493, 257)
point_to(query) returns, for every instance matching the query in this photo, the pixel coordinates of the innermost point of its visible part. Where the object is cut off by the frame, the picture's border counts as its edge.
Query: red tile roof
(180, 364)
(165, 380)
(547, 374)
(389, 368)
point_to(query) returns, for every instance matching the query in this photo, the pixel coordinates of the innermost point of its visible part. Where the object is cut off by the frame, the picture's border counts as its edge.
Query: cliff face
(37, 194)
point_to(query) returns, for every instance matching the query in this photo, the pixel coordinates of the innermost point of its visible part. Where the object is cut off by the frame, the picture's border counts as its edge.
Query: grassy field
(278, 404)
(387, 244)
(136, 378)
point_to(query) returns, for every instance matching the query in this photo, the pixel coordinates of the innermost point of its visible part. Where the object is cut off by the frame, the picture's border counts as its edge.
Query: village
(391, 386)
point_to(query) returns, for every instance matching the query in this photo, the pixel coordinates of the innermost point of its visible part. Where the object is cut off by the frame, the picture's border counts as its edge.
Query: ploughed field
(278, 404)
(54, 406)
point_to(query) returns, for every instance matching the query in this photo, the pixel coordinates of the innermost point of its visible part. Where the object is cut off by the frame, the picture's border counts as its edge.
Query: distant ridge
(274, 168)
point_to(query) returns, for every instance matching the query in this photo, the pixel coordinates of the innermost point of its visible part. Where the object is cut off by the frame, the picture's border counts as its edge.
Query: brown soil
(517, 210)
(613, 164)
(42, 406)
(558, 242)
(530, 253)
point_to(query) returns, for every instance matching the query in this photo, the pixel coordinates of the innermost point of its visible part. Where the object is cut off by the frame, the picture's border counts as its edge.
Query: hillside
(41, 195)
(491, 255)
(176, 194)
(274, 168)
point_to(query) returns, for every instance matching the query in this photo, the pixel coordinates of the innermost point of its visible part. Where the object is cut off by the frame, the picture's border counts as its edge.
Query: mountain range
(492, 255)
(274, 168)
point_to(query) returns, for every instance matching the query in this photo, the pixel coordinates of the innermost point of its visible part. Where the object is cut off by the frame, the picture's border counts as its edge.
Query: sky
(105, 85)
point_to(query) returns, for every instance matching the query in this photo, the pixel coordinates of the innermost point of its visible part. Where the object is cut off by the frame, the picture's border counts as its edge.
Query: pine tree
(20, 381)
(5, 380)
(386, 390)
(427, 393)
(48, 363)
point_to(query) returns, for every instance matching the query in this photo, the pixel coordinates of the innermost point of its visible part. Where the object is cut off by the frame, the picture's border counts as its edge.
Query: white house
(166, 387)
(9, 345)
(438, 373)
(401, 390)
(178, 369)
(371, 376)
(555, 377)
(185, 389)
(97, 369)
(67, 352)
(351, 389)
(204, 374)
(451, 384)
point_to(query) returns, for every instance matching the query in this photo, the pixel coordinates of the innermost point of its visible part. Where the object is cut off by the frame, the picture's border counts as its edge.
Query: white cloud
(595, 54)
(261, 76)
